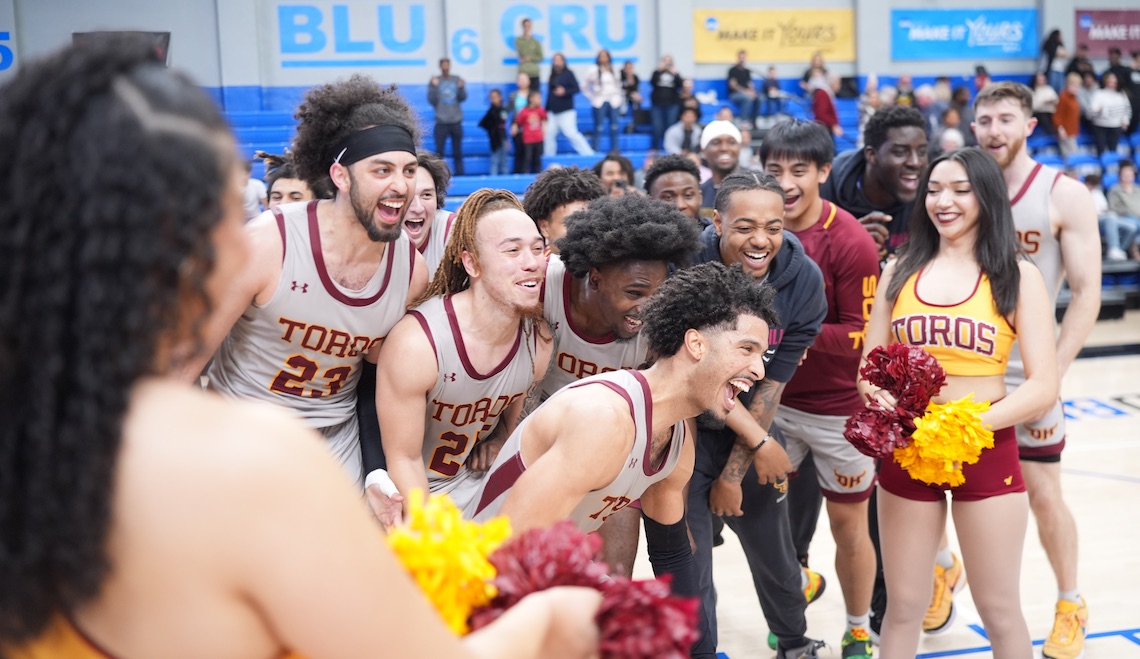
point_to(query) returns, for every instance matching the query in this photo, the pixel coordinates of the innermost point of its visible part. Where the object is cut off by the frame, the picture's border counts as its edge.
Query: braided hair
(98, 269)
(743, 180)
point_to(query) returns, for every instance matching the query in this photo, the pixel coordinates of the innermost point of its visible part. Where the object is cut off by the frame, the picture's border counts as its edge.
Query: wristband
(381, 478)
(752, 450)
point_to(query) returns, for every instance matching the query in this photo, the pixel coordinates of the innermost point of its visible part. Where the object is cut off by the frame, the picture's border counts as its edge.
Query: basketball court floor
(1101, 480)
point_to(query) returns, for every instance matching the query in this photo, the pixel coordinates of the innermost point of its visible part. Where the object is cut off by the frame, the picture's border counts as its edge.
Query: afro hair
(559, 186)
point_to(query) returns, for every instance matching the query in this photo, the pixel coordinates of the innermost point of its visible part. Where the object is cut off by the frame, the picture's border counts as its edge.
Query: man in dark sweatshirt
(878, 183)
(445, 93)
(740, 471)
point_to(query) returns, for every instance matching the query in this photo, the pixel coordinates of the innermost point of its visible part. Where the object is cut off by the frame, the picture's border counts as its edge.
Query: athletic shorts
(996, 472)
(343, 440)
(845, 475)
(1043, 439)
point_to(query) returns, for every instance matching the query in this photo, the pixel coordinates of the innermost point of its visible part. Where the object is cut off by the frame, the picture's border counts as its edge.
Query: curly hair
(440, 173)
(895, 116)
(97, 267)
(667, 165)
(451, 277)
(332, 112)
(626, 228)
(559, 186)
(707, 296)
(278, 166)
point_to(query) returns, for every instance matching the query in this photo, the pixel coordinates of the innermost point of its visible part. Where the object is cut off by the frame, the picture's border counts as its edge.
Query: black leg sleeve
(372, 452)
(669, 553)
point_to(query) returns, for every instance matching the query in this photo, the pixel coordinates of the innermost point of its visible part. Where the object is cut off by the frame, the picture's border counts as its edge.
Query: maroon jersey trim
(462, 347)
(567, 281)
(1025, 186)
(423, 245)
(411, 262)
(326, 280)
(280, 228)
(427, 331)
(501, 480)
(918, 297)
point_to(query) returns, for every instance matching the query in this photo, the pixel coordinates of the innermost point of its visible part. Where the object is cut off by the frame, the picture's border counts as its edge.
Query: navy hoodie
(844, 189)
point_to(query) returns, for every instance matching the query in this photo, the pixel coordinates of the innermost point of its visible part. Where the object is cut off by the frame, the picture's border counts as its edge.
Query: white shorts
(845, 475)
(1043, 439)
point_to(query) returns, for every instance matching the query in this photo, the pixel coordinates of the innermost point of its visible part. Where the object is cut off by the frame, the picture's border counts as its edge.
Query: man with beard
(709, 327)
(615, 254)
(1056, 223)
(877, 183)
(740, 471)
(676, 180)
(327, 279)
(720, 146)
(468, 358)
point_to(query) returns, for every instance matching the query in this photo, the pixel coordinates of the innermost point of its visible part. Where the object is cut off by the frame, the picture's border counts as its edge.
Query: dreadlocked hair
(330, 113)
(451, 277)
(627, 228)
(559, 186)
(97, 268)
(279, 166)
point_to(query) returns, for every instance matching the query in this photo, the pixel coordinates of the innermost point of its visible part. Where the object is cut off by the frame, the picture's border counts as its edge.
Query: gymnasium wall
(262, 54)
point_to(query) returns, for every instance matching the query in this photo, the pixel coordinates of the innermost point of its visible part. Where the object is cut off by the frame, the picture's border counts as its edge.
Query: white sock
(804, 579)
(863, 621)
(945, 558)
(1070, 595)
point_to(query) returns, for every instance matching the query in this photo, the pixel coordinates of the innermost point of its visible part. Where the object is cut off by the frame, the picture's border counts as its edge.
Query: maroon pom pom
(913, 376)
(876, 432)
(642, 620)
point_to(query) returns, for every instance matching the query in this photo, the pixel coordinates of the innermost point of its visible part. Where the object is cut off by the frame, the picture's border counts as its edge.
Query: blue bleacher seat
(1042, 144)
(1135, 141)
(1051, 160)
(465, 185)
(1110, 161)
(1083, 164)
(1110, 179)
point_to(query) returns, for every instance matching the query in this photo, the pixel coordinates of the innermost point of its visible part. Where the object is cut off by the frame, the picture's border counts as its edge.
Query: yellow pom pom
(447, 556)
(945, 438)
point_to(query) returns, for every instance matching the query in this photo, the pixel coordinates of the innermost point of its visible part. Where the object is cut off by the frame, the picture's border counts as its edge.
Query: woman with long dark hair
(1051, 61)
(603, 86)
(961, 291)
(141, 517)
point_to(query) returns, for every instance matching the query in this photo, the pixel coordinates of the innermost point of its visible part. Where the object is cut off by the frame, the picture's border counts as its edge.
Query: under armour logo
(304, 287)
(554, 327)
(449, 377)
(632, 463)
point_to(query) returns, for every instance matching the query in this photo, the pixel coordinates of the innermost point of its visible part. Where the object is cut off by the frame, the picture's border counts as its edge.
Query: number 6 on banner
(465, 46)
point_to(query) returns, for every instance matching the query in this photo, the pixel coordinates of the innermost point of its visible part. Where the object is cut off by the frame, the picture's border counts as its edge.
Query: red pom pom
(642, 620)
(913, 376)
(875, 432)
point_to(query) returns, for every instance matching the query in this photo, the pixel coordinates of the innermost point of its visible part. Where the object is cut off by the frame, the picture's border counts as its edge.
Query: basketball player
(327, 279)
(143, 518)
(427, 223)
(555, 194)
(709, 328)
(613, 257)
(1056, 223)
(468, 356)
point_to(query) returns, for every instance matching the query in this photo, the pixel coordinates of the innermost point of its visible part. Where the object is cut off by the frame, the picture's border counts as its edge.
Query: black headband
(370, 141)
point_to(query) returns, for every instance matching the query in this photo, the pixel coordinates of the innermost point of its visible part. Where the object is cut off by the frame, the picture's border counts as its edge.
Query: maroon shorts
(996, 472)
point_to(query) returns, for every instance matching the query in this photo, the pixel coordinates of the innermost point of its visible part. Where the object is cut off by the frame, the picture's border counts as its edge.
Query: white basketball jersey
(436, 240)
(628, 486)
(1031, 219)
(577, 355)
(304, 348)
(465, 405)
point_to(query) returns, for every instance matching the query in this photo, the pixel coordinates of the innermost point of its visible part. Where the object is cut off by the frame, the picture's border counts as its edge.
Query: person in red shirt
(532, 124)
(823, 102)
(821, 395)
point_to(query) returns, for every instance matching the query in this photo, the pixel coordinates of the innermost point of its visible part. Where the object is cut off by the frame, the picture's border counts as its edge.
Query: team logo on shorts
(849, 482)
(1009, 480)
(1042, 434)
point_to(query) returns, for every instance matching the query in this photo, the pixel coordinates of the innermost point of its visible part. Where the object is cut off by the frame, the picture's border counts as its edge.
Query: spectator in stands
(253, 193)
(532, 126)
(1124, 200)
(561, 115)
(676, 180)
(603, 88)
(529, 51)
(869, 103)
(771, 94)
(823, 103)
(720, 145)
(1110, 112)
(1049, 62)
(725, 114)
(1113, 232)
(614, 171)
(1067, 118)
(1045, 101)
(816, 69)
(494, 121)
(685, 135)
(446, 93)
(905, 85)
(960, 100)
(943, 95)
(665, 98)
(1089, 86)
(1080, 63)
(557, 193)
(924, 100)
(1134, 89)
(949, 133)
(282, 184)
(631, 88)
(741, 89)
(981, 78)
(878, 183)
(1119, 69)
(518, 100)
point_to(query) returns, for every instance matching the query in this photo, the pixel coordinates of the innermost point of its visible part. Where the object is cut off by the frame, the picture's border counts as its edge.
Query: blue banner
(969, 34)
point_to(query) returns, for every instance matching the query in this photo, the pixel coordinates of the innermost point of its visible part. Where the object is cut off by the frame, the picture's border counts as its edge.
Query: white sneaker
(1115, 254)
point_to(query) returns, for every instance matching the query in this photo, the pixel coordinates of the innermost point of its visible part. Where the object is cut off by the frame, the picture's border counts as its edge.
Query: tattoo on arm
(763, 408)
(530, 401)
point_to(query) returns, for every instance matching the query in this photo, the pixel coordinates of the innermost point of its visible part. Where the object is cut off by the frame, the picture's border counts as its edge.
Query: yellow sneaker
(1067, 640)
(947, 581)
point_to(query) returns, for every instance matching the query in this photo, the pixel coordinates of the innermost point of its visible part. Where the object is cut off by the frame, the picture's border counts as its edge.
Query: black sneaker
(809, 651)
